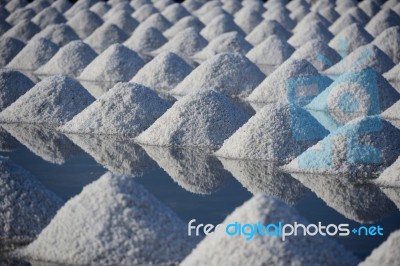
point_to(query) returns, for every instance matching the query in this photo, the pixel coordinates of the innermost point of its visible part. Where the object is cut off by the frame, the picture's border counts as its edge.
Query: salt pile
(293, 5)
(232, 6)
(117, 63)
(342, 23)
(79, 6)
(248, 18)
(163, 4)
(350, 38)
(309, 20)
(392, 114)
(330, 14)
(266, 29)
(388, 41)
(157, 21)
(60, 34)
(35, 54)
(117, 8)
(219, 25)
(222, 249)
(300, 73)
(104, 36)
(13, 84)
(231, 42)
(207, 7)
(38, 5)
(386, 253)
(15, 4)
(371, 8)
(84, 22)
(343, 6)
(61, 5)
(390, 177)
(163, 73)
(216, 116)
(214, 12)
(10, 47)
(182, 24)
(314, 32)
(393, 74)
(386, 18)
(229, 73)
(51, 102)
(124, 21)
(175, 12)
(115, 216)
(4, 27)
(47, 17)
(145, 40)
(70, 60)
(100, 8)
(270, 53)
(193, 5)
(20, 14)
(282, 16)
(138, 108)
(358, 14)
(300, 13)
(278, 132)
(144, 12)
(389, 4)
(27, 206)
(23, 31)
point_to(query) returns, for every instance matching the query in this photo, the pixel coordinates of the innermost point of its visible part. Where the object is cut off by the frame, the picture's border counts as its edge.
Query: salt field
(200, 132)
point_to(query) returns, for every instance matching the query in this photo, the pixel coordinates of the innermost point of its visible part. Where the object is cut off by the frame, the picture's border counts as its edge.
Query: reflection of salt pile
(126, 109)
(51, 102)
(104, 36)
(391, 176)
(69, 60)
(266, 29)
(145, 40)
(23, 31)
(182, 24)
(350, 38)
(386, 18)
(262, 177)
(214, 114)
(84, 23)
(26, 206)
(388, 41)
(60, 34)
(219, 25)
(279, 132)
(115, 216)
(314, 32)
(229, 73)
(163, 73)
(47, 17)
(195, 170)
(117, 63)
(222, 249)
(13, 84)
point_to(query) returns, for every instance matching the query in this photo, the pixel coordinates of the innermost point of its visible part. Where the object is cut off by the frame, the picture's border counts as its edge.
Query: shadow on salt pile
(117, 154)
(50, 145)
(7, 142)
(195, 170)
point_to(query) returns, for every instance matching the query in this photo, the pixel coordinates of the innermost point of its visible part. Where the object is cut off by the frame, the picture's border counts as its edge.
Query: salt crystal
(314, 32)
(342, 23)
(388, 41)
(13, 84)
(266, 29)
(182, 24)
(20, 14)
(84, 23)
(386, 18)
(175, 12)
(104, 36)
(219, 25)
(9, 48)
(60, 34)
(124, 21)
(61, 5)
(247, 18)
(47, 17)
(23, 31)
(100, 8)
(144, 12)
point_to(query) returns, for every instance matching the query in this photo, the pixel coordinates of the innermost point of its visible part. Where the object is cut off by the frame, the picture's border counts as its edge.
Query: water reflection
(7, 142)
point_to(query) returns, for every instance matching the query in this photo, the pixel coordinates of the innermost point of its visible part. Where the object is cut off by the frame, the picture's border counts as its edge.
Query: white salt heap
(79, 6)
(175, 12)
(309, 20)
(104, 36)
(164, 72)
(314, 32)
(157, 21)
(342, 23)
(117, 63)
(38, 5)
(222, 249)
(62, 5)
(393, 74)
(214, 114)
(47, 17)
(182, 24)
(229, 73)
(100, 8)
(329, 13)
(163, 4)
(386, 18)
(270, 53)
(215, 12)
(26, 207)
(116, 9)
(138, 108)
(392, 114)
(300, 13)
(391, 176)
(20, 14)
(51, 102)
(282, 16)
(193, 5)
(9, 48)
(388, 41)
(84, 23)
(70, 60)
(115, 216)
(219, 25)
(145, 40)
(23, 31)
(124, 21)
(35, 54)
(248, 18)
(60, 34)
(266, 29)
(371, 8)
(144, 12)
(358, 14)
(13, 84)
(15, 4)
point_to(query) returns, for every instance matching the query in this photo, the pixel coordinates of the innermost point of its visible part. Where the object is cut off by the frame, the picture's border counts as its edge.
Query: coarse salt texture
(35, 54)
(219, 25)
(9, 48)
(386, 18)
(247, 18)
(145, 40)
(113, 220)
(215, 115)
(51, 102)
(84, 23)
(182, 24)
(47, 17)
(104, 36)
(314, 32)
(60, 34)
(222, 249)
(389, 42)
(70, 60)
(390, 177)
(278, 133)
(23, 31)
(229, 73)
(266, 29)
(117, 63)
(126, 109)
(124, 21)
(164, 72)
(175, 12)
(13, 84)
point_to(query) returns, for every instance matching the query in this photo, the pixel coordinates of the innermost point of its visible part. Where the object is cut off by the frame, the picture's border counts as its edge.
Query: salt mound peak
(393, 74)
(145, 40)
(207, 7)
(117, 8)
(157, 21)
(164, 72)
(38, 5)
(20, 14)
(138, 108)
(110, 205)
(388, 41)
(264, 136)
(60, 34)
(219, 25)
(386, 253)
(4, 26)
(13, 84)
(145, 11)
(342, 23)
(124, 21)
(85, 22)
(100, 8)
(359, 14)
(314, 32)
(70, 60)
(79, 6)
(309, 20)
(163, 4)
(175, 12)
(217, 118)
(23, 31)
(184, 23)
(48, 16)
(229, 73)
(13, 5)
(232, 6)
(329, 13)
(266, 29)
(262, 250)
(193, 5)
(35, 54)
(104, 36)
(10, 47)
(138, 3)
(209, 16)
(390, 177)
(270, 53)
(117, 63)
(51, 102)
(61, 5)
(386, 18)
(371, 8)
(282, 16)
(300, 13)
(350, 38)
(247, 18)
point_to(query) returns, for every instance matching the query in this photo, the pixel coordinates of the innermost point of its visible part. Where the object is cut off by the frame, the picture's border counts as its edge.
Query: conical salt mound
(363, 147)
(219, 25)
(300, 13)
(84, 23)
(183, 24)
(270, 54)
(390, 177)
(20, 14)
(329, 13)
(359, 14)
(10, 47)
(38, 5)
(342, 23)
(163, 73)
(248, 18)
(213, 13)
(386, 18)
(231, 42)
(117, 63)
(60, 34)
(388, 41)
(23, 31)
(13, 5)
(163, 4)
(371, 8)
(207, 7)
(70, 60)
(350, 38)
(13, 84)
(282, 16)
(116, 9)
(229, 73)
(175, 12)
(295, 81)
(309, 20)
(138, 105)
(266, 29)
(386, 254)
(215, 114)
(267, 249)
(127, 225)
(104, 36)
(35, 54)
(145, 40)
(145, 11)
(79, 6)
(124, 21)
(62, 5)
(314, 32)
(47, 17)
(393, 74)
(265, 136)
(100, 8)
(51, 102)
(27, 206)
(193, 5)
(157, 21)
